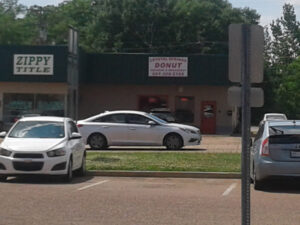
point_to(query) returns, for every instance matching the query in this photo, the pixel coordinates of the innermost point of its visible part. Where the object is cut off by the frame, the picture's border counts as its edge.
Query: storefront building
(193, 87)
(33, 80)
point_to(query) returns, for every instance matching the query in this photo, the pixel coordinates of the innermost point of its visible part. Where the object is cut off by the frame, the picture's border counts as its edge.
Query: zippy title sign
(33, 64)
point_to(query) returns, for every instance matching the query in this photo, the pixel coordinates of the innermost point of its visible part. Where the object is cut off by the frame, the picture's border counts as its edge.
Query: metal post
(245, 161)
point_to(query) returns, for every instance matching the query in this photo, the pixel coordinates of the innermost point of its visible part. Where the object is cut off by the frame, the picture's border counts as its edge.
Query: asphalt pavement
(147, 201)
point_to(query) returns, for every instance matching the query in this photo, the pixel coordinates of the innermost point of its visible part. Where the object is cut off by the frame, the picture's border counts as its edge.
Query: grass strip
(168, 161)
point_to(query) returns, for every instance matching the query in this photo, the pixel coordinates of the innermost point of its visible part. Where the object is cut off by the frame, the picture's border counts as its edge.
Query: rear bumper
(269, 168)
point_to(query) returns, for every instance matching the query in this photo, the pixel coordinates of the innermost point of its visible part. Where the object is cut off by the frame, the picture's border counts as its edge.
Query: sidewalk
(220, 144)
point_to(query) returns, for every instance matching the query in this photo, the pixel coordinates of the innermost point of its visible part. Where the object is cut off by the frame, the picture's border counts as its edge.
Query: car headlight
(188, 131)
(56, 152)
(5, 152)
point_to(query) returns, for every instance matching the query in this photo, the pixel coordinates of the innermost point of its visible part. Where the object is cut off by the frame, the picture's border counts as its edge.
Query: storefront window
(18, 105)
(50, 105)
(184, 109)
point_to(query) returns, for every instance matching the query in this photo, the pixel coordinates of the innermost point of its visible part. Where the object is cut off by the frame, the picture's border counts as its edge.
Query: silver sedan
(275, 151)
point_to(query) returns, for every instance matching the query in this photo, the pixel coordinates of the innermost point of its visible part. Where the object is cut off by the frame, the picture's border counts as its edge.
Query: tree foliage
(282, 48)
(195, 26)
(173, 26)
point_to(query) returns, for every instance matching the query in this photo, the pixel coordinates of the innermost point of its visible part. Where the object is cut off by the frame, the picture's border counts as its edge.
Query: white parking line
(91, 185)
(229, 189)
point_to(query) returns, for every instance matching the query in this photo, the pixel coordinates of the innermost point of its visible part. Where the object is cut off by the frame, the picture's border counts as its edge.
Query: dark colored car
(164, 114)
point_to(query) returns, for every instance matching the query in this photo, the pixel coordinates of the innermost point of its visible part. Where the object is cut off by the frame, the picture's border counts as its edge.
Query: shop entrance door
(208, 117)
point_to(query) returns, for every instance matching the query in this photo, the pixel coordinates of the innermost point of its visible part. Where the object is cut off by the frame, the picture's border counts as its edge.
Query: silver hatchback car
(275, 151)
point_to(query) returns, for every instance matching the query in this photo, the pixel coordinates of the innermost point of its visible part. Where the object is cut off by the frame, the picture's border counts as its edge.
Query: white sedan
(42, 145)
(135, 128)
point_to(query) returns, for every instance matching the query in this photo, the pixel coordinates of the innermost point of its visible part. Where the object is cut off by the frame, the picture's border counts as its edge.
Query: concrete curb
(221, 175)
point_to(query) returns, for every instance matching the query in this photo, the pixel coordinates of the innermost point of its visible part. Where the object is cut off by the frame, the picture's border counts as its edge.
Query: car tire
(97, 141)
(69, 176)
(82, 170)
(3, 178)
(173, 142)
(258, 184)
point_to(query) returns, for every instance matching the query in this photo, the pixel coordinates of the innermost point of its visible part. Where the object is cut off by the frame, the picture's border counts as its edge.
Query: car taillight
(265, 148)
(79, 125)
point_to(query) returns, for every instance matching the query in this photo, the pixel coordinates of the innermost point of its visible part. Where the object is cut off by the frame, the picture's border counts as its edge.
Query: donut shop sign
(33, 64)
(168, 67)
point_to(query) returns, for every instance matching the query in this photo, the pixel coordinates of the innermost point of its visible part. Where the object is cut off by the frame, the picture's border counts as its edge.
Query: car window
(259, 132)
(137, 119)
(72, 127)
(281, 130)
(38, 129)
(113, 118)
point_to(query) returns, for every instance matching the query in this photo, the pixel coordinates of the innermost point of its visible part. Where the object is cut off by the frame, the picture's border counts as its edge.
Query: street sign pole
(246, 44)
(246, 115)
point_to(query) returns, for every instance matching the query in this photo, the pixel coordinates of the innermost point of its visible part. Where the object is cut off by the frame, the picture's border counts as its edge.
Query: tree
(12, 30)
(282, 48)
(195, 26)
(288, 91)
(54, 21)
(285, 45)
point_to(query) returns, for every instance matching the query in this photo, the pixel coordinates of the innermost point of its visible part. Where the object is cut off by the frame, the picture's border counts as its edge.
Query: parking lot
(107, 200)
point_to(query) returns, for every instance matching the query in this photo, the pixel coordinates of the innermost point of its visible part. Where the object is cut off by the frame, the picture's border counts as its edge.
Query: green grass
(179, 161)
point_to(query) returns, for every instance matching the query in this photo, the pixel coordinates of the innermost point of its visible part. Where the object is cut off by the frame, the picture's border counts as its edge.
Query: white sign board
(168, 66)
(33, 64)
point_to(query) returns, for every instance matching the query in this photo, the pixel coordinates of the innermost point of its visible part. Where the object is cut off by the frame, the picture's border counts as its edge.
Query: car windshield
(155, 118)
(38, 129)
(278, 130)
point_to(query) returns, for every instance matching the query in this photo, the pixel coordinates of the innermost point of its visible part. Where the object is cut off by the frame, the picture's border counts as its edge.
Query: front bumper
(27, 165)
(192, 139)
(268, 168)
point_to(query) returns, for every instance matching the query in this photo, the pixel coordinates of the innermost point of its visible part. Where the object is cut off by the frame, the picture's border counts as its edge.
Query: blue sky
(268, 9)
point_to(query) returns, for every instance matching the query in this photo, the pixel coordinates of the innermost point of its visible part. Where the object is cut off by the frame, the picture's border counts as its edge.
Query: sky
(268, 9)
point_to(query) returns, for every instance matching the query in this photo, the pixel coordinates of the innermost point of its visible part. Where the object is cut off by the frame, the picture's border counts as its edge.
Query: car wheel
(97, 141)
(82, 170)
(173, 142)
(69, 176)
(3, 178)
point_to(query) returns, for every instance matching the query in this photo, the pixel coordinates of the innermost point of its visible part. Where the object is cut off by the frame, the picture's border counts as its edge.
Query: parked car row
(56, 145)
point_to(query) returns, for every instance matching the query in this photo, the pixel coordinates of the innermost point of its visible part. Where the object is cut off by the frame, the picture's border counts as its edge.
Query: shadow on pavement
(46, 179)
(283, 185)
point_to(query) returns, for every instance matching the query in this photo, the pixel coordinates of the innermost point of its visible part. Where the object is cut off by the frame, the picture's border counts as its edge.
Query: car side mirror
(152, 123)
(3, 134)
(75, 135)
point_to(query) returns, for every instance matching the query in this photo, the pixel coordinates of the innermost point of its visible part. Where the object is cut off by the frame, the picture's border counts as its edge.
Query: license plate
(295, 154)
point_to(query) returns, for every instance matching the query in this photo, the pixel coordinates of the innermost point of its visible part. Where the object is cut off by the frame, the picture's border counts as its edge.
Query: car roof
(274, 114)
(283, 122)
(122, 111)
(160, 110)
(45, 118)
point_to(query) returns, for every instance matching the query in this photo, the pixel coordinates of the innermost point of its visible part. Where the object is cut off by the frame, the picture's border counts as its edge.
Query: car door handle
(105, 126)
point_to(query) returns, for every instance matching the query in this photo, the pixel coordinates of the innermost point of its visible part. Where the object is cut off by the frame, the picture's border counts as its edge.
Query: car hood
(30, 144)
(183, 126)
